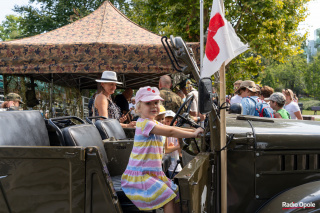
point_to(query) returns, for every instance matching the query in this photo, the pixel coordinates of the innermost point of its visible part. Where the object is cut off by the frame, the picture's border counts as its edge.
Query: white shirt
(132, 111)
(292, 108)
(194, 104)
(236, 99)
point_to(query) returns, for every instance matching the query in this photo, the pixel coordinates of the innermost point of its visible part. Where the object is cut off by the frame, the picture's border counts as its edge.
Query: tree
(290, 74)
(10, 28)
(45, 15)
(269, 26)
(312, 77)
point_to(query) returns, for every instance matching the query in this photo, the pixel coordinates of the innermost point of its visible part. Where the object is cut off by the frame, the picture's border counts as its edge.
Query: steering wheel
(185, 118)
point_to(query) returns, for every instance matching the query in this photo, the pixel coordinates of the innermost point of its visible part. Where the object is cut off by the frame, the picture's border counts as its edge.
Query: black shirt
(122, 102)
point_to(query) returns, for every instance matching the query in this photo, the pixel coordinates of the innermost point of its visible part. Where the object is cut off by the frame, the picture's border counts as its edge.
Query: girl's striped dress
(144, 182)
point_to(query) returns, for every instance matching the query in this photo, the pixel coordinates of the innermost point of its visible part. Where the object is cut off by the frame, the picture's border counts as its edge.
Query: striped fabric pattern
(144, 182)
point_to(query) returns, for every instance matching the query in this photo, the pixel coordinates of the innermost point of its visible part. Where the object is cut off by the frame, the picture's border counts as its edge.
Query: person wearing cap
(187, 88)
(171, 101)
(103, 104)
(161, 116)
(152, 189)
(236, 98)
(277, 101)
(251, 103)
(172, 148)
(14, 101)
(291, 106)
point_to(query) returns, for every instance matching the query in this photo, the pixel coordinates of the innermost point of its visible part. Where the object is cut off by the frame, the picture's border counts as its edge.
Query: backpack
(262, 108)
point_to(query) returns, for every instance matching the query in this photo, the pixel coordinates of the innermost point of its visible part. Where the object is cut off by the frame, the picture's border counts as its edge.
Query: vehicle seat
(110, 128)
(23, 128)
(84, 135)
(87, 135)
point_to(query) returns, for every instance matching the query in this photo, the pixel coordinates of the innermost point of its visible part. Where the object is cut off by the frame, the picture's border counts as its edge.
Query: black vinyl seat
(84, 135)
(110, 128)
(23, 128)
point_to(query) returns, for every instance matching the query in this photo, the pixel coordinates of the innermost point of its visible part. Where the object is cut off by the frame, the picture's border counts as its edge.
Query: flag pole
(223, 153)
(201, 35)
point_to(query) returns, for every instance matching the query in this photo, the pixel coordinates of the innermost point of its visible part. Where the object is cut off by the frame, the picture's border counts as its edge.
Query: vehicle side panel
(281, 170)
(100, 193)
(38, 179)
(194, 184)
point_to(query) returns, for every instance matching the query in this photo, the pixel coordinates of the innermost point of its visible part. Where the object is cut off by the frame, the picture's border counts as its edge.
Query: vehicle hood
(273, 133)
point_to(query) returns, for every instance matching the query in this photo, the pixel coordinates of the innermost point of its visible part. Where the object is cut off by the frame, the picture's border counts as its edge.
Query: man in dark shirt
(172, 101)
(122, 100)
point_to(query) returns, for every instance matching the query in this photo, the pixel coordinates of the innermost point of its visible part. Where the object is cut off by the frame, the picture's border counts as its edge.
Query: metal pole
(201, 35)
(50, 98)
(223, 140)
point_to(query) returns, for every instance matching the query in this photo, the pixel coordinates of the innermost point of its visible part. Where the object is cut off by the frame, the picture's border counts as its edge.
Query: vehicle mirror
(205, 95)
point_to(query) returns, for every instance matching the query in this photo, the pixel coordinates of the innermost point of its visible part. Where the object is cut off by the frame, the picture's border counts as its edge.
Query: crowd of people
(264, 102)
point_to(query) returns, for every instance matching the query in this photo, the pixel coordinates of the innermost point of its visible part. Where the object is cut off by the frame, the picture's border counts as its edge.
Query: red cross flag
(223, 44)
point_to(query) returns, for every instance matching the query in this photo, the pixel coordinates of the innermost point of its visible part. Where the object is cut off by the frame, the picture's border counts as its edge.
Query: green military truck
(67, 165)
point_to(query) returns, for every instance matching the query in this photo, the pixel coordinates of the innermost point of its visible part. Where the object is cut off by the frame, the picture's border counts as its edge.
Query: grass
(308, 112)
(309, 102)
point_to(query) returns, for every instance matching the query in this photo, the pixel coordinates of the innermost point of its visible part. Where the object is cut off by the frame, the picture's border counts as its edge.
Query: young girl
(144, 182)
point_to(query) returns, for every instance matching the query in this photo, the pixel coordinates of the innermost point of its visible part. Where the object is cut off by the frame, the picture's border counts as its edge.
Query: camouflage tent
(76, 54)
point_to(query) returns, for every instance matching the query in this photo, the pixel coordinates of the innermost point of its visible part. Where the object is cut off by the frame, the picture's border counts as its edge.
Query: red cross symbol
(212, 48)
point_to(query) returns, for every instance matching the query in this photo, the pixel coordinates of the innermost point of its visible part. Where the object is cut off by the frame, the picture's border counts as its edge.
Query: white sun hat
(109, 77)
(170, 113)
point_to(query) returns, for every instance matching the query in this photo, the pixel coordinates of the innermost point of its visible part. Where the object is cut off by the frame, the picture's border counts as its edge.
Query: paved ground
(315, 116)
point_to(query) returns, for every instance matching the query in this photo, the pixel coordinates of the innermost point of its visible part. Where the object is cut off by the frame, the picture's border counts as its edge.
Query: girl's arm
(171, 148)
(185, 129)
(298, 115)
(170, 131)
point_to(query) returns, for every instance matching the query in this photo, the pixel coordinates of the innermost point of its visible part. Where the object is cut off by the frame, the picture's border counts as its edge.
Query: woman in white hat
(104, 106)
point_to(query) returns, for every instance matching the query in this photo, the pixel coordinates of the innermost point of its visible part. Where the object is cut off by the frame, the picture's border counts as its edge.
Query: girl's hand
(197, 132)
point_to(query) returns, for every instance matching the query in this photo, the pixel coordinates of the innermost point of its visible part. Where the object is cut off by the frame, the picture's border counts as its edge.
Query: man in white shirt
(188, 90)
(237, 98)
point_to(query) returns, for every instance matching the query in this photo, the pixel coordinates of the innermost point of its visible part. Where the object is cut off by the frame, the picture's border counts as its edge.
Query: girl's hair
(288, 92)
(137, 107)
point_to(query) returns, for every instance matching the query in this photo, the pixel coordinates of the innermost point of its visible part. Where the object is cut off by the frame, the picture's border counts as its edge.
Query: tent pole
(5, 84)
(50, 98)
(201, 35)
(223, 138)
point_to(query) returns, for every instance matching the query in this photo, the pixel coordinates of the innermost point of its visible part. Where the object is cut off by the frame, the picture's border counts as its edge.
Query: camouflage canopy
(76, 54)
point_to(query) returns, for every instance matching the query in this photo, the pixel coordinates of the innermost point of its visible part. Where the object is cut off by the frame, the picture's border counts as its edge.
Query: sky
(310, 24)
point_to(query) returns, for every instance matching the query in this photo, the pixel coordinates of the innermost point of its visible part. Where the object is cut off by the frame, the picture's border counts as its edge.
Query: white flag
(223, 44)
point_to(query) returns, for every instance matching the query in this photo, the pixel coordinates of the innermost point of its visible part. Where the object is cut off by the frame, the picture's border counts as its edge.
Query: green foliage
(46, 15)
(312, 77)
(269, 26)
(308, 103)
(287, 75)
(10, 28)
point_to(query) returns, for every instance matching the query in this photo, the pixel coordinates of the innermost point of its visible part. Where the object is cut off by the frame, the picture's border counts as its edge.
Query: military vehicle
(67, 165)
